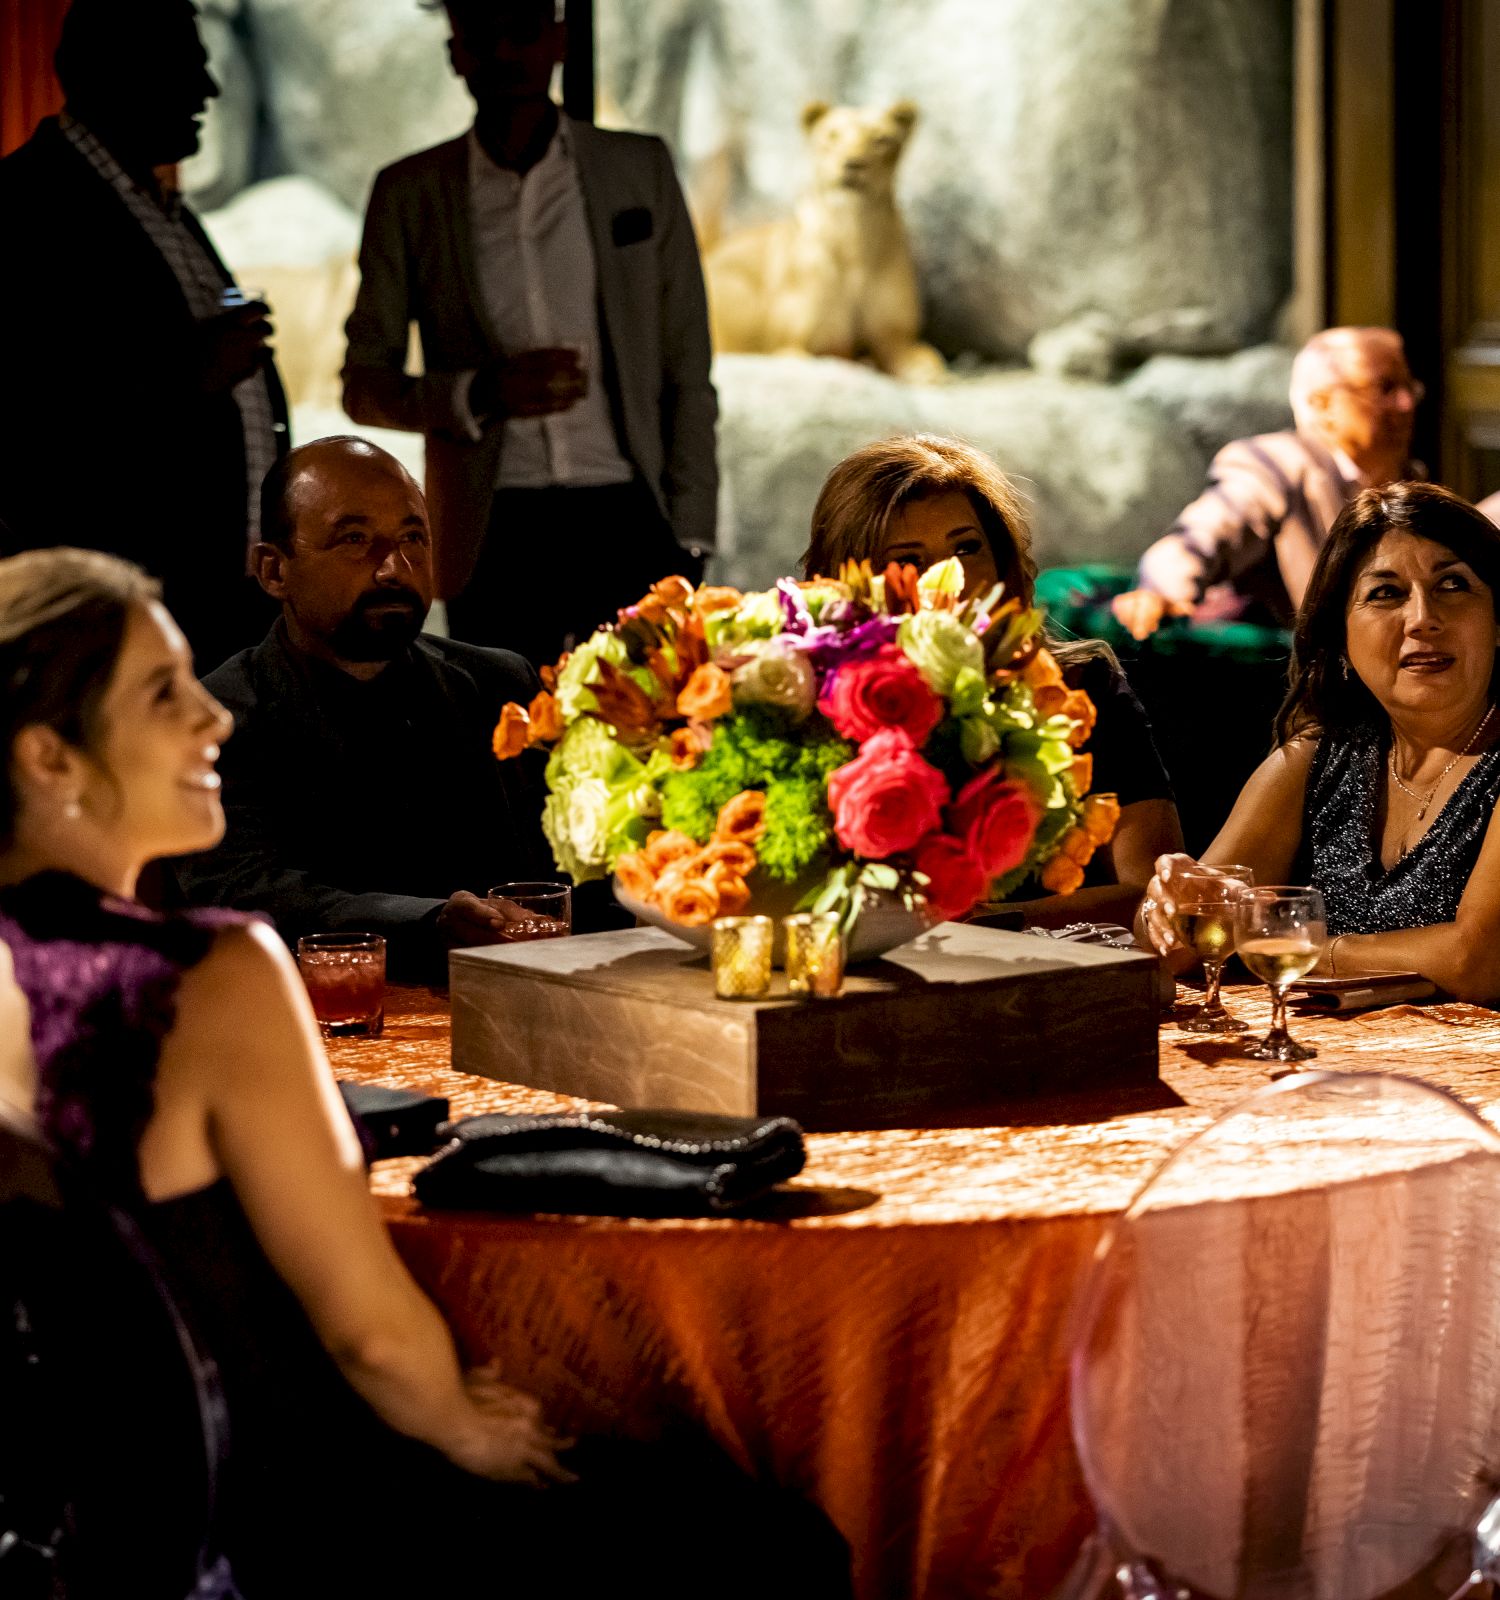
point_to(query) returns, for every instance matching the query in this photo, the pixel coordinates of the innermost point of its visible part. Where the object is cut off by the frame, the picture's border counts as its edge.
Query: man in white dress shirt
(553, 275)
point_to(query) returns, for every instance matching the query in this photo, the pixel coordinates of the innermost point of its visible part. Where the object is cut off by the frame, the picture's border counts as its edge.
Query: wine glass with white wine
(1203, 919)
(1280, 933)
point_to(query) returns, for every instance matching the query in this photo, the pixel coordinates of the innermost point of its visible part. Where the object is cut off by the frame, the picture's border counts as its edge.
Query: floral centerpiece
(870, 734)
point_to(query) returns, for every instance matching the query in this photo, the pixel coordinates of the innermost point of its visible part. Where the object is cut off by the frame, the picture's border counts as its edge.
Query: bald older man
(360, 791)
(1246, 546)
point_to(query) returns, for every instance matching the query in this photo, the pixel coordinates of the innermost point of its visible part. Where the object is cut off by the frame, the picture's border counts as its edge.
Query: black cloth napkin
(618, 1163)
(394, 1122)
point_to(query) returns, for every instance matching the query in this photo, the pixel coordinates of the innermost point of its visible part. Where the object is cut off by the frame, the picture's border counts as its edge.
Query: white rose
(585, 820)
(781, 678)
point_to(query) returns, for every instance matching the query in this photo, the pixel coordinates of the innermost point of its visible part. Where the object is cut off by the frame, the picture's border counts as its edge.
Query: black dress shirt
(363, 805)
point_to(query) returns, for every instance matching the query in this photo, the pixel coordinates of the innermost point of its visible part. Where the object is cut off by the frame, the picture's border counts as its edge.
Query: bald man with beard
(1243, 550)
(359, 787)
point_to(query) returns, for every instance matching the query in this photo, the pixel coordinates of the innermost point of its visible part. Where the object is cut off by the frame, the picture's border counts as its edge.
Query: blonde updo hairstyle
(63, 615)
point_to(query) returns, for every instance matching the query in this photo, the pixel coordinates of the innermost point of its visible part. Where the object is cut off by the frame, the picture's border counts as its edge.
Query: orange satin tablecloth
(889, 1335)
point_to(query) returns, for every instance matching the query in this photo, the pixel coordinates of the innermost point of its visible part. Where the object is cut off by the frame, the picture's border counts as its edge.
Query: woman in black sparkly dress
(1381, 789)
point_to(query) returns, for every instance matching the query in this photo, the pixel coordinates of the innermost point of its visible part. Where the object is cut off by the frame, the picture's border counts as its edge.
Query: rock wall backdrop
(1099, 187)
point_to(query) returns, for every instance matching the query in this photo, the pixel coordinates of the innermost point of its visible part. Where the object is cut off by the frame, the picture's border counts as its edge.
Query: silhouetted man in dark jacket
(116, 322)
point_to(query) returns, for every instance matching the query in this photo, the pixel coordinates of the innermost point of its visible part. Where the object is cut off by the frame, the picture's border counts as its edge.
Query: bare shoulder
(246, 958)
(1282, 776)
(1264, 829)
(243, 1005)
(1293, 759)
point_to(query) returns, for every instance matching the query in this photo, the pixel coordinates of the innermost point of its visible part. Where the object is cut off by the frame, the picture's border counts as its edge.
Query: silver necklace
(1425, 800)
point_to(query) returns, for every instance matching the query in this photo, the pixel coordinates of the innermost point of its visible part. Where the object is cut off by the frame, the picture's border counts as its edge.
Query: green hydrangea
(752, 750)
(601, 801)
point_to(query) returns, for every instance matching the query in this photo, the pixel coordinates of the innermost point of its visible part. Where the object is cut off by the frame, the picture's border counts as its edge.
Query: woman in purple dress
(176, 1062)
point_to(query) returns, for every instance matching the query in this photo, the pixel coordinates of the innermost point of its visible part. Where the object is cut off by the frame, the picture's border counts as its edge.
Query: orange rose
(666, 846)
(731, 888)
(510, 731)
(715, 597)
(1077, 846)
(1083, 773)
(706, 694)
(1077, 705)
(1042, 672)
(546, 720)
(1101, 815)
(690, 902)
(687, 748)
(743, 819)
(737, 857)
(1061, 875)
(635, 875)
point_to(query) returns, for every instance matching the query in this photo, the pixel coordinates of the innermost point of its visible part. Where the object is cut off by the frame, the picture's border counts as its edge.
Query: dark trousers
(558, 563)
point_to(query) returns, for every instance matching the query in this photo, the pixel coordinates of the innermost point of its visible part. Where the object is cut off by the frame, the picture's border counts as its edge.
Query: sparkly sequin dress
(1340, 852)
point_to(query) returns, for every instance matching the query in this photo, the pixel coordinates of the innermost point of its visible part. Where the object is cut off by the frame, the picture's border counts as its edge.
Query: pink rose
(955, 880)
(886, 799)
(996, 818)
(882, 691)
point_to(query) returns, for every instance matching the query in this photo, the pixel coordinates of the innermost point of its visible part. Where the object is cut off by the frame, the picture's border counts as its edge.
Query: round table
(889, 1333)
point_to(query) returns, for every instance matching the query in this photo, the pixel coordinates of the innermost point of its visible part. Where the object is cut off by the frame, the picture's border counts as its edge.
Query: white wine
(1207, 930)
(1279, 959)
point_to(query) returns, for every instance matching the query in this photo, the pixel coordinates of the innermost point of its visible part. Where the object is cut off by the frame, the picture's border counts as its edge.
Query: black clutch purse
(618, 1163)
(394, 1122)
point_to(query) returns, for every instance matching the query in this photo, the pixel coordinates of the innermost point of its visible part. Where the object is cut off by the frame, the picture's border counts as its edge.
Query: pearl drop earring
(72, 811)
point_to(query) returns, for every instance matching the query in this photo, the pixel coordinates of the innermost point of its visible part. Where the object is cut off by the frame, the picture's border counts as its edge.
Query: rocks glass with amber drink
(1204, 922)
(345, 978)
(541, 910)
(1280, 932)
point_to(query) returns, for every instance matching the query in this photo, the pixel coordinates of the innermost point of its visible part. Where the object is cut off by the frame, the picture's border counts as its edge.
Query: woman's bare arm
(246, 1048)
(17, 1066)
(1264, 832)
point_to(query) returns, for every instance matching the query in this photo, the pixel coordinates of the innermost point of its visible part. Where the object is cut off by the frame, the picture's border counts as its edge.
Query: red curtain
(28, 88)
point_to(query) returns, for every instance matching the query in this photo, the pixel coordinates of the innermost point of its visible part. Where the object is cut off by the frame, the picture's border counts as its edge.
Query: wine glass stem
(1213, 972)
(1278, 1011)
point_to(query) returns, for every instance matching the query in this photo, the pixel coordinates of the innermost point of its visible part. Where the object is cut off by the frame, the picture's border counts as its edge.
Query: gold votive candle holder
(814, 954)
(742, 948)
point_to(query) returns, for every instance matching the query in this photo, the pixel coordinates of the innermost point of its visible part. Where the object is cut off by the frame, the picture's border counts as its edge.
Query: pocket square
(631, 226)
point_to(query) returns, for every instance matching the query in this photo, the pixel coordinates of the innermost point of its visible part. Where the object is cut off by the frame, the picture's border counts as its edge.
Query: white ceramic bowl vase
(883, 924)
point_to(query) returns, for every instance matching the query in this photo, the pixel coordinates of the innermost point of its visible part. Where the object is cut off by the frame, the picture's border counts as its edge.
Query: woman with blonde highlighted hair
(918, 499)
